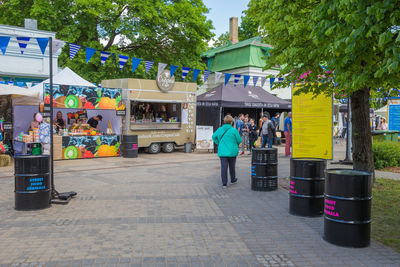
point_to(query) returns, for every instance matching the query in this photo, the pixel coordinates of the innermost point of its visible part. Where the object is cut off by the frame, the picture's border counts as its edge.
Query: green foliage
(170, 31)
(222, 40)
(248, 27)
(386, 154)
(357, 41)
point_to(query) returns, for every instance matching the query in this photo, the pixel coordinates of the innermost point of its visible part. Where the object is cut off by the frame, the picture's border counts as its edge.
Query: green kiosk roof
(248, 53)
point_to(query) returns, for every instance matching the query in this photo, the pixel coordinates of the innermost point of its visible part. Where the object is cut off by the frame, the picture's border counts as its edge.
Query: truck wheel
(168, 147)
(154, 148)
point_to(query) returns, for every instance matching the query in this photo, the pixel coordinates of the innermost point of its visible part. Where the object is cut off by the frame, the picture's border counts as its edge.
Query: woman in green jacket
(228, 140)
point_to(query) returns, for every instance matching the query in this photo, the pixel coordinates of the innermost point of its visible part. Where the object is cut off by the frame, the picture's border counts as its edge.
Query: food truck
(162, 112)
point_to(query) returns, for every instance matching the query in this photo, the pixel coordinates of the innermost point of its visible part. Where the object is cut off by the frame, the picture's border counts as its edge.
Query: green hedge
(386, 154)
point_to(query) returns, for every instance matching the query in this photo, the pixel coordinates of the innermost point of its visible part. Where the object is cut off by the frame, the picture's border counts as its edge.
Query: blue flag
(271, 81)
(237, 78)
(185, 71)
(172, 70)
(148, 65)
(23, 43)
(89, 53)
(246, 79)
(73, 49)
(195, 74)
(122, 61)
(4, 40)
(135, 63)
(255, 79)
(206, 75)
(43, 42)
(104, 56)
(227, 77)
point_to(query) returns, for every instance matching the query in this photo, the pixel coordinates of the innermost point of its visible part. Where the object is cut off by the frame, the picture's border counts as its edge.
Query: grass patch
(386, 212)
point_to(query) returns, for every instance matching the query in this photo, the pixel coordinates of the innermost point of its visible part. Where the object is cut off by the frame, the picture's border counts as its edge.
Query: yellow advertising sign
(312, 126)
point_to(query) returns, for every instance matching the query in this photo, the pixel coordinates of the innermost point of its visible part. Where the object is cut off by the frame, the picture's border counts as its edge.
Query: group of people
(230, 135)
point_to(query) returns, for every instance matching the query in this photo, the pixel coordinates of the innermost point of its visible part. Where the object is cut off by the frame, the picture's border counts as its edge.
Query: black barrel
(264, 169)
(347, 210)
(32, 182)
(129, 146)
(306, 186)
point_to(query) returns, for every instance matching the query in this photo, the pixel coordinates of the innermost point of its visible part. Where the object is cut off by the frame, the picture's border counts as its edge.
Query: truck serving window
(155, 112)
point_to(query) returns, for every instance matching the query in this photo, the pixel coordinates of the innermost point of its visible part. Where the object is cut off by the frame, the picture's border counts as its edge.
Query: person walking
(288, 134)
(228, 140)
(239, 127)
(268, 132)
(252, 134)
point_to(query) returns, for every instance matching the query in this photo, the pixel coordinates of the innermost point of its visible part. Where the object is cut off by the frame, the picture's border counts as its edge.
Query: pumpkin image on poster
(106, 151)
(107, 103)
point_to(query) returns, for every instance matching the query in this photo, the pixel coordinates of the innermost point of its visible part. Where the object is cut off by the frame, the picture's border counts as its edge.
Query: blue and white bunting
(104, 56)
(255, 80)
(217, 76)
(237, 79)
(29, 84)
(23, 43)
(43, 42)
(263, 79)
(161, 68)
(280, 80)
(185, 71)
(20, 84)
(172, 70)
(10, 83)
(271, 81)
(148, 65)
(227, 77)
(89, 53)
(73, 49)
(135, 63)
(206, 75)
(122, 61)
(4, 40)
(246, 79)
(196, 73)
(57, 44)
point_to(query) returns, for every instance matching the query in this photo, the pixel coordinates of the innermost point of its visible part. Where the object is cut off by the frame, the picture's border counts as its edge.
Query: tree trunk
(361, 132)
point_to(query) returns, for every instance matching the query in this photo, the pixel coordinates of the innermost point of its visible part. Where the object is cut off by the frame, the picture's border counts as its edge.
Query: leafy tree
(248, 27)
(170, 31)
(357, 41)
(221, 40)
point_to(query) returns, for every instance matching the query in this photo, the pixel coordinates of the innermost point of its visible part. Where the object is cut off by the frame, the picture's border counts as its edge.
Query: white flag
(217, 76)
(161, 68)
(57, 44)
(263, 79)
(28, 84)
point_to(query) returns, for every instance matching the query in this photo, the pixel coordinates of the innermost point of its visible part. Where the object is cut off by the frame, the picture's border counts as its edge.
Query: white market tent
(382, 111)
(66, 76)
(16, 91)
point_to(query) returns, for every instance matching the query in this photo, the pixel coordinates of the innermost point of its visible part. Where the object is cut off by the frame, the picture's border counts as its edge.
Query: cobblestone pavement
(167, 210)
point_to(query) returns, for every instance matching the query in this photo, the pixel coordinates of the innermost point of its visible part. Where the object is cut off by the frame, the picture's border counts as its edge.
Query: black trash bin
(307, 181)
(129, 146)
(264, 169)
(32, 182)
(347, 210)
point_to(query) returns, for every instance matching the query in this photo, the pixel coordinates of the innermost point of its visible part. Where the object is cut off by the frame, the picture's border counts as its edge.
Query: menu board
(394, 117)
(312, 126)
(204, 137)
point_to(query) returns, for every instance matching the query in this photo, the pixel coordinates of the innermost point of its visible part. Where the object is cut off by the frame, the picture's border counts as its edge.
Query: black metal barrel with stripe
(32, 182)
(306, 188)
(347, 208)
(129, 146)
(264, 169)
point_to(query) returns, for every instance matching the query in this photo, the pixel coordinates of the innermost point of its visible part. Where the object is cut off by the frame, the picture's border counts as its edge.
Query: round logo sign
(164, 82)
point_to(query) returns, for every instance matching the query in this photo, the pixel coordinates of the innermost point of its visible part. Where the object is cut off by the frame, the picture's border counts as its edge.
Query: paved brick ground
(167, 210)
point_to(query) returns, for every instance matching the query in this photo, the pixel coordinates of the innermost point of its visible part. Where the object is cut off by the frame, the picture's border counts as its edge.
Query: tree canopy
(169, 31)
(330, 46)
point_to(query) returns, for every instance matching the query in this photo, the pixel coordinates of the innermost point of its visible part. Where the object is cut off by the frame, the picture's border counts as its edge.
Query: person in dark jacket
(228, 140)
(268, 132)
(252, 134)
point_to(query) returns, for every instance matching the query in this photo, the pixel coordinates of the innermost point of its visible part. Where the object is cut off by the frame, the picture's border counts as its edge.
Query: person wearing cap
(94, 121)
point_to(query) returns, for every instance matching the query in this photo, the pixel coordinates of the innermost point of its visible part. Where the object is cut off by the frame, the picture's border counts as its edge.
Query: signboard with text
(204, 137)
(394, 117)
(312, 126)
